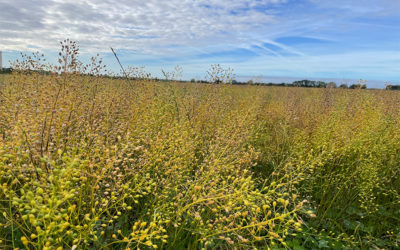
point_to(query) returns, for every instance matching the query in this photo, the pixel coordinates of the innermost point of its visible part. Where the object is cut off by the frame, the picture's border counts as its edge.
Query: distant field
(92, 162)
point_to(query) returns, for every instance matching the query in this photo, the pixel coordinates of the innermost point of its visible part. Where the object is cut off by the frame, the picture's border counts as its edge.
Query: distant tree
(250, 82)
(309, 84)
(320, 84)
(358, 86)
(5, 71)
(344, 86)
(192, 80)
(331, 85)
(298, 84)
(392, 87)
(361, 84)
(354, 86)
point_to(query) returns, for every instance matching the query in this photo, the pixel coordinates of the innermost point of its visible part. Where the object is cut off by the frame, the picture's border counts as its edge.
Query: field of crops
(91, 162)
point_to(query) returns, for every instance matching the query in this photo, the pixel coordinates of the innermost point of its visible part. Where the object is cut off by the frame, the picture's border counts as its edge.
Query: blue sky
(276, 38)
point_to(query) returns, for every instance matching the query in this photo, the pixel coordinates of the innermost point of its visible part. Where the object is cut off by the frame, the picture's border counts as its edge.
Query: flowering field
(90, 162)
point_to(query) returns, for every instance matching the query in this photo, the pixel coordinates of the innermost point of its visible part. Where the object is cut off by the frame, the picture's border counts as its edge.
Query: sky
(333, 39)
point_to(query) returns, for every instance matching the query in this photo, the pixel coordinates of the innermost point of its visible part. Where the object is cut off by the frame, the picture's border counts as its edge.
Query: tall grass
(93, 162)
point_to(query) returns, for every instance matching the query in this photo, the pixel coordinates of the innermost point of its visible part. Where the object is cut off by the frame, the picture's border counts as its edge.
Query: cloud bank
(132, 25)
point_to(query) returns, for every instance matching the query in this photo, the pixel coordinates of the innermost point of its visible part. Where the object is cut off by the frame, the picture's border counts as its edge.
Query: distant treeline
(305, 84)
(393, 87)
(301, 83)
(5, 71)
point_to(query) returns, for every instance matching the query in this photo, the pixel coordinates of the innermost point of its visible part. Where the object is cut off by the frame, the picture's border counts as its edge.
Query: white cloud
(132, 25)
(362, 7)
